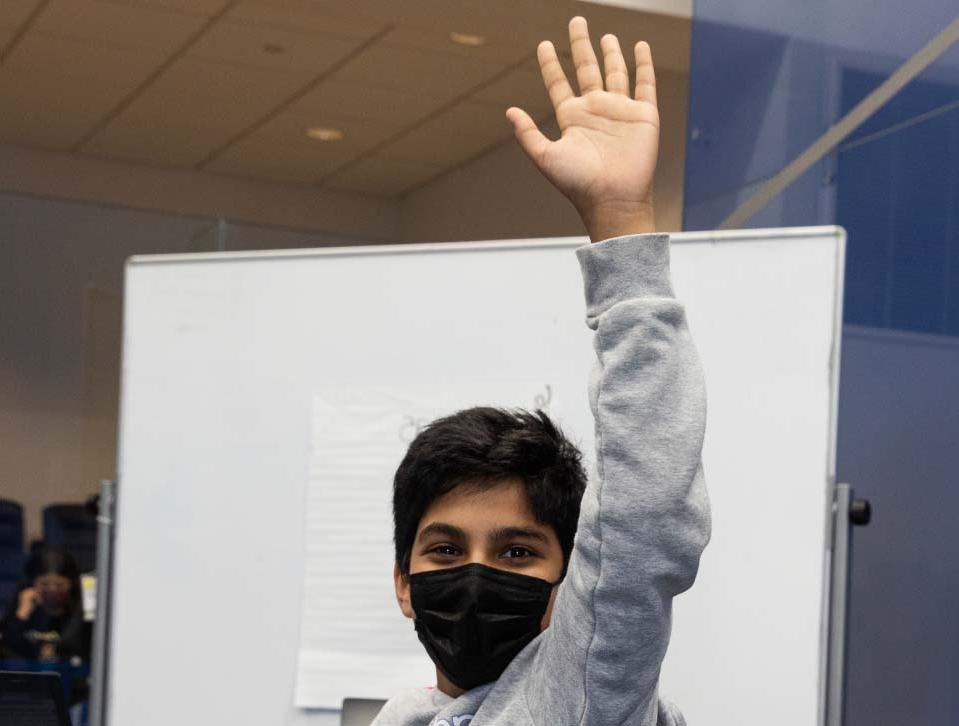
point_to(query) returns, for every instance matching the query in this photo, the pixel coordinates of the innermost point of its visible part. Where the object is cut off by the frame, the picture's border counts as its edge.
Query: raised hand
(605, 159)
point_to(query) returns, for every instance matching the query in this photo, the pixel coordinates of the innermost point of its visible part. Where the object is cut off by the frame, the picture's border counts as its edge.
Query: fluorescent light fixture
(676, 8)
(325, 133)
(468, 39)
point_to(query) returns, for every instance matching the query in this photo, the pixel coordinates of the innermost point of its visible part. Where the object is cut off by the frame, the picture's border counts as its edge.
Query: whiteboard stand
(101, 623)
(847, 513)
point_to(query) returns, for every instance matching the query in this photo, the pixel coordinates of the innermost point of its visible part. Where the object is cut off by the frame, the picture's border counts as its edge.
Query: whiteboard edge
(835, 369)
(510, 244)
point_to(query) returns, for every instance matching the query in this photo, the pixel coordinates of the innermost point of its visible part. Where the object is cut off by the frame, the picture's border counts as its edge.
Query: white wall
(61, 268)
(190, 193)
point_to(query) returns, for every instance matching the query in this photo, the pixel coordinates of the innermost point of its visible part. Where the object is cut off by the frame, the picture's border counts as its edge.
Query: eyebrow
(501, 534)
(441, 529)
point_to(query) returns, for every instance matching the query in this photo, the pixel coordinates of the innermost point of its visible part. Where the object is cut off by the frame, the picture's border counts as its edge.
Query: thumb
(530, 138)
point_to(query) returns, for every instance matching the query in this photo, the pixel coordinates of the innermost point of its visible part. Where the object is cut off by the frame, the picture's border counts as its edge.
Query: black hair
(47, 560)
(482, 446)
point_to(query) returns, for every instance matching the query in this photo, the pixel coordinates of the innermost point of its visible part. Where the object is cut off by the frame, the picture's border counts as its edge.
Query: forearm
(648, 400)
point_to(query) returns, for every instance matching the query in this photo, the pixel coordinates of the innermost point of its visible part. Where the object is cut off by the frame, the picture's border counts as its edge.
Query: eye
(444, 550)
(518, 552)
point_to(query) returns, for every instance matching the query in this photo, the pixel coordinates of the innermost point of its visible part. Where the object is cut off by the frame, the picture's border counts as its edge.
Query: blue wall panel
(768, 78)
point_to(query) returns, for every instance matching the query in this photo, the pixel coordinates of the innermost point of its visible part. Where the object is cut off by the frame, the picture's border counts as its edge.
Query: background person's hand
(605, 160)
(27, 602)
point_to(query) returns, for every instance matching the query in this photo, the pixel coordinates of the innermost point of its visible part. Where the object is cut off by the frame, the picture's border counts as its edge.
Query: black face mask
(473, 620)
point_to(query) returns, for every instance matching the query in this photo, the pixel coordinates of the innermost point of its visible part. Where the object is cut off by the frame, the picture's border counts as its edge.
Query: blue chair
(11, 550)
(74, 528)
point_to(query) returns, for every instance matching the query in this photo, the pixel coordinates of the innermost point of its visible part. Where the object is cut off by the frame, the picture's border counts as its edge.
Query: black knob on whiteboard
(860, 512)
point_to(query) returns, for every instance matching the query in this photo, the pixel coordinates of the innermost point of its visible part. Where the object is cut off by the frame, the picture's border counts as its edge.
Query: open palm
(607, 154)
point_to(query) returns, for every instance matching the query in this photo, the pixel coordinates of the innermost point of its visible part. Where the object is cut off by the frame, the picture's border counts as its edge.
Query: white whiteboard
(222, 356)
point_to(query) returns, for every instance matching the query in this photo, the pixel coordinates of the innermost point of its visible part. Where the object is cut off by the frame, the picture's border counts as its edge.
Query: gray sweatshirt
(643, 525)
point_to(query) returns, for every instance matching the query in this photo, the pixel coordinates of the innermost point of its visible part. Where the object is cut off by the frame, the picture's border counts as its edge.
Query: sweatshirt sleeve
(645, 515)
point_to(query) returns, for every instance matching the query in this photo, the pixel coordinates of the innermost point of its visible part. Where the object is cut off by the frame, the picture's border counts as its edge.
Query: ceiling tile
(517, 23)
(299, 161)
(305, 16)
(395, 106)
(521, 88)
(187, 7)
(383, 176)
(218, 97)
(6, 35)
(437, 39)
(250, 44)
(157, 143)
(438, 77)
(360, 134)
(14, 13)
(118, 25)
(49, 110)
(456, 135)
(55, 90)
(524, 87)
(197, 80)
(81, 60)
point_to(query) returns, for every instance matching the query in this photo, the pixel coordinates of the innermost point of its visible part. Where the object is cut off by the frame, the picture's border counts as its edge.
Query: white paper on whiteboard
(354, 641)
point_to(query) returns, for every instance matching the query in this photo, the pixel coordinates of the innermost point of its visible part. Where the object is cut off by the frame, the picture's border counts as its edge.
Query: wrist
(612, 220)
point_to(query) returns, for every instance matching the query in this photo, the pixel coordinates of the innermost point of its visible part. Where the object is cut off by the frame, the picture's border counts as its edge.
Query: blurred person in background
(45, 621)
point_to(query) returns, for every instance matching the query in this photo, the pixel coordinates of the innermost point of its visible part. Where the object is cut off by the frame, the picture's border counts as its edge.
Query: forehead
(51, 578)
(477, 508)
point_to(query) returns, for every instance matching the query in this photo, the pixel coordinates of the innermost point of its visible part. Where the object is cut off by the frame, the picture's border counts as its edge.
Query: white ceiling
(230, 86)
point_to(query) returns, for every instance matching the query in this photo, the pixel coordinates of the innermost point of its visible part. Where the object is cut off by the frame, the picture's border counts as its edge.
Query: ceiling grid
(231, 87)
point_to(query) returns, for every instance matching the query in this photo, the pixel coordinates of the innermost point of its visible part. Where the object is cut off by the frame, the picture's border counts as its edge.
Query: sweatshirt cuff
(622, 268)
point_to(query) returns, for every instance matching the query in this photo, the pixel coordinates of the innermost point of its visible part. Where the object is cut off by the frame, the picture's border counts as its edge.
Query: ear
(402, 584)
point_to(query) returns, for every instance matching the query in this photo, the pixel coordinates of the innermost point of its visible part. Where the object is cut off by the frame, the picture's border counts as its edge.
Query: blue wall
(898, 196)
(769, 77)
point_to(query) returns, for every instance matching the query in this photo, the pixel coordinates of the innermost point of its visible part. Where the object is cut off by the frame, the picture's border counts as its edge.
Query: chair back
(74, 528)
(12, 558)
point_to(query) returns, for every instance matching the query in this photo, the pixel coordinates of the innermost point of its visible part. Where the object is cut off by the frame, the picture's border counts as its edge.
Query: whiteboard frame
(830, 626)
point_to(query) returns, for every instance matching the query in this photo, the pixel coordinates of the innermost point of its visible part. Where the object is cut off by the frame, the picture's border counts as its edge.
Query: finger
(530, 138)
(645, 74)
(554, 77)
(617, 75)
(587, 68)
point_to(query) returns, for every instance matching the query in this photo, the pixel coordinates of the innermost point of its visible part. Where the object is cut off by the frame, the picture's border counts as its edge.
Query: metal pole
(847, 511)
(101, 625)
(839, 596)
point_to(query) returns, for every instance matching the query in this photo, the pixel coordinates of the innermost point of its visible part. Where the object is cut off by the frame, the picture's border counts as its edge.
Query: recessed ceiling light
(324, 133)
(468, 39)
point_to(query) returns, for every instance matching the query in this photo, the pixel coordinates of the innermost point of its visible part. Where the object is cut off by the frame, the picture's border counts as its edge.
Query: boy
(526, 625)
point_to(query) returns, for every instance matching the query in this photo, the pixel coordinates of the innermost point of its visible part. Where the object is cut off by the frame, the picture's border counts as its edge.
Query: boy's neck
(446, 686)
